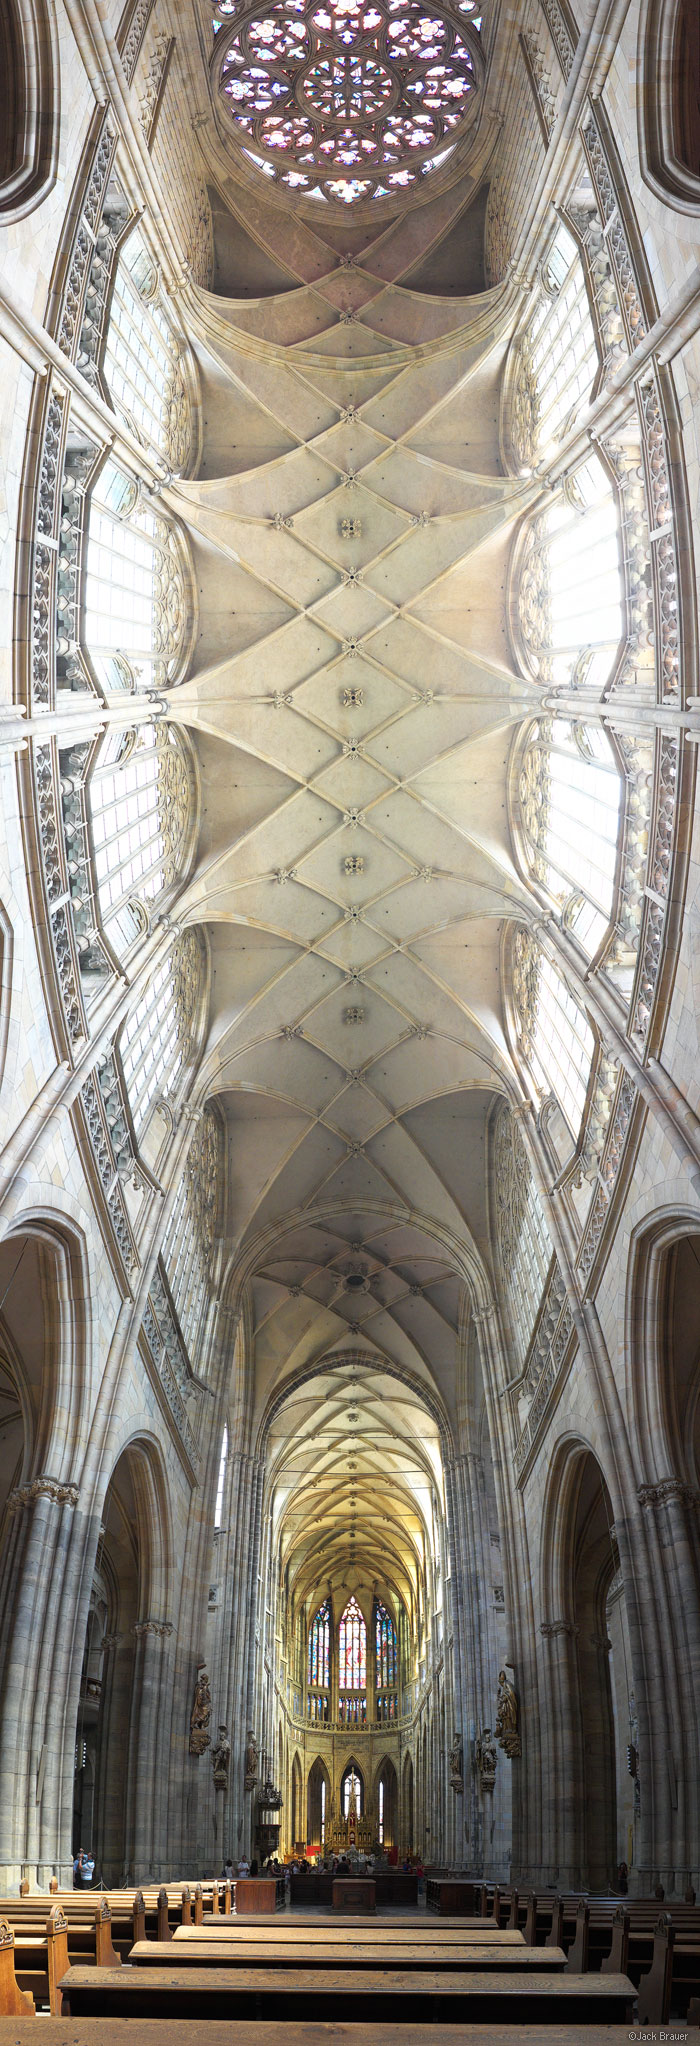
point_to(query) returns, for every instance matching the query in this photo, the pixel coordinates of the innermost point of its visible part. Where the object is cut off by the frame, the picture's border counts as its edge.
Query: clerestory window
(352, 1649)
(141, 365)
(140, 796)
(570, 800)
(134, 604)
(570, 589)
(319, 1647)
(188, 1243)
(157, 1037)
(555, 1037)
(524, 1243)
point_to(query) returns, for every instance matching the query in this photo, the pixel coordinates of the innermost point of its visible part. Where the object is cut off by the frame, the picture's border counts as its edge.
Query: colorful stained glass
(352, 1644)
(359, 96)
(319, 1646)
(385, 1640)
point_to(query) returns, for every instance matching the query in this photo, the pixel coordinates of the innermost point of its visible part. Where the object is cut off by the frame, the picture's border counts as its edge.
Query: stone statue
(456, 1777)
(485, 1758)
(251, 1760)
(507, 1715)
(221, 1759)
(201, 1713)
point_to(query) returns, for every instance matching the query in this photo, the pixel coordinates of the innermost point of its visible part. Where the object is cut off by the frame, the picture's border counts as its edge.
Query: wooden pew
(295, 1994)
(14, 2002)
(149, 2032)
(41, 1959)
(352, 1931)
(89, 1928)
(262, 1953)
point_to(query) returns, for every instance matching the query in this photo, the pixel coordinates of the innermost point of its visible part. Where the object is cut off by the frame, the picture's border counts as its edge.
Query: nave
(349, 1016)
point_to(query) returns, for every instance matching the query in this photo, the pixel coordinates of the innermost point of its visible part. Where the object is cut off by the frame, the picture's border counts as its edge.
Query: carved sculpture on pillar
(221, 1759)
(456, 1776)
(507, 1717)
(201, 1713)
(251, 1760)
(485, 1758)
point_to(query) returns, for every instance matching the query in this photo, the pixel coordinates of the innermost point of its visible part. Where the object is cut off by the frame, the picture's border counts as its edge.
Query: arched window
(385, 1642)
(319, 1646)
(140, 799)
(570, 796)
(352, 1649)
(156, 1040)
(524, 1244)
(351, 1780)
(134, 608)
(555, 1037)
(557, 356)
(219, 1508)
(189, 1238)
(141, 365)
(570, 594)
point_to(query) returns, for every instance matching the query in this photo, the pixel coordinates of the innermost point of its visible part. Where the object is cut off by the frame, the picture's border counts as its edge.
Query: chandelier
(347, 100)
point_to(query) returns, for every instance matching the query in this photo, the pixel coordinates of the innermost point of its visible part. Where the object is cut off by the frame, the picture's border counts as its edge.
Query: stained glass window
(219, 1508)
(319, 1646)
(352, 1775)
(385, 1638)
(346, 100)
(353, 1649)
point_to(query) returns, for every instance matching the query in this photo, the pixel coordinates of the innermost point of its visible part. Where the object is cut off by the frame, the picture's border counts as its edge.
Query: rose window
(345, 101)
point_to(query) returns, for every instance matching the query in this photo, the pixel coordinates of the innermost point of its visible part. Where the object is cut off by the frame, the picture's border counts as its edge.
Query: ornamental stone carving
(201, 1713)
(251, 1760)
(160, 1628)
(43, 1488)
(485, 1759)
(456, 1766)
(507, 1718)
(221, 1759)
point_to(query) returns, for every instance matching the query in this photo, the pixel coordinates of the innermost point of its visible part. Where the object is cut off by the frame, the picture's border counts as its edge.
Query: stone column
(31, 1718)
(148, 1756)
(562, 1785)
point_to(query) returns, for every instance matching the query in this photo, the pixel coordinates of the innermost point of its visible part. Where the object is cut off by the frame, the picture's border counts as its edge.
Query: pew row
(149, 2032)
(341, 1954)
(291, 1994)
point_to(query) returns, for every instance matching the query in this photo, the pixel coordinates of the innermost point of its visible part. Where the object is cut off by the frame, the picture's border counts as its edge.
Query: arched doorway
(587, 1681)
(129, 1662)
(318, 1804)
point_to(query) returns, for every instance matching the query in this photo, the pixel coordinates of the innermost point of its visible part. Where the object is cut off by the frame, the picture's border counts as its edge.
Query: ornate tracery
(158, 1036)
(140, 795)
(188, 1243)
(345, 100)
(570, 797)
(319, 1647)
(352, 1649)
(554, 1036)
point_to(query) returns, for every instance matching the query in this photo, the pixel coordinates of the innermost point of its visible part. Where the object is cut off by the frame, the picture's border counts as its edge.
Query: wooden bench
(352, 1932)
(286, 1993)
(149, 2032)
(14, 2002)
(341, 1954)
(89, 1929)
(41, 1959)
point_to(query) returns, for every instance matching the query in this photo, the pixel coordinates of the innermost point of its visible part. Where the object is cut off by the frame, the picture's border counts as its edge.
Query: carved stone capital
(43, 1487)
(550, 1628)
(668, 1492)
(162, 1628)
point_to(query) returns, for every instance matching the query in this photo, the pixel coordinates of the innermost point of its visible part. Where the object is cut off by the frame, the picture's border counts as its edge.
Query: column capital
(551, 1628)
(43, 1487)
(159, 1627)
(668, 1492)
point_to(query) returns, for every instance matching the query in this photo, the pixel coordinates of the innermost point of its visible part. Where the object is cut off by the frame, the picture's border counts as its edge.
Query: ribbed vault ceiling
(354, 701)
